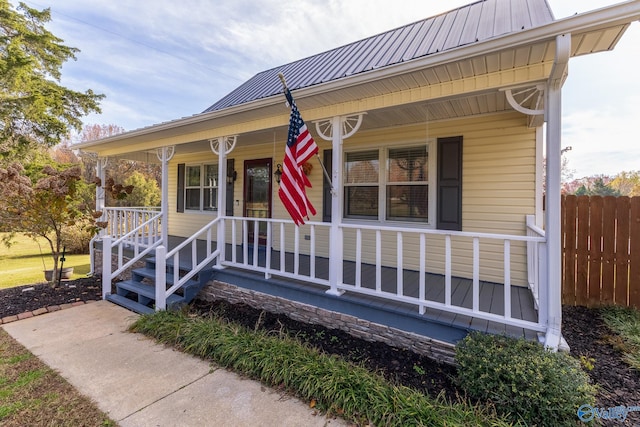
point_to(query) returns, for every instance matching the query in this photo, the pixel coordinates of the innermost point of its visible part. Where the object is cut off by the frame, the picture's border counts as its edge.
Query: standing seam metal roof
(473, 23)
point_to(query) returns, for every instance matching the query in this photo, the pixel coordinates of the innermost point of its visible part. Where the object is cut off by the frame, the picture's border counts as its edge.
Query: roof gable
(473, 23)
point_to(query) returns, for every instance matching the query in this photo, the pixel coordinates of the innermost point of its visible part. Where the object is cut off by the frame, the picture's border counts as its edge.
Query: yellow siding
(185, 224)
(498, 192)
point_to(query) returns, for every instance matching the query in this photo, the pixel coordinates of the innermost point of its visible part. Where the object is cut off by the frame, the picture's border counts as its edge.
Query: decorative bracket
(532, 95)
(350, 125)
(229, 143)
(166, 153)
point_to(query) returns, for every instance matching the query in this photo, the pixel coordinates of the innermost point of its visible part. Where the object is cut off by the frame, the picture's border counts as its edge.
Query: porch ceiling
(407, 114)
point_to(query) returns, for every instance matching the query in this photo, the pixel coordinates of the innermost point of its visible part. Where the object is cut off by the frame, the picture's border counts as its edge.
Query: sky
(161, 60)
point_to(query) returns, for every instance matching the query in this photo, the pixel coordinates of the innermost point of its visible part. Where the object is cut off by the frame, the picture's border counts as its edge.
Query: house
(432, 223)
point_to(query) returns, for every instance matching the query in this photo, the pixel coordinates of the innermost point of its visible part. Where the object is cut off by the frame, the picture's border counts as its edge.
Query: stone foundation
(369, 331)
(125, 275)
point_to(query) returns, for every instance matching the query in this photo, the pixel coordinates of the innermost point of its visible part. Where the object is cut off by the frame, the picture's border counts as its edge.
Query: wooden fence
(601, 250)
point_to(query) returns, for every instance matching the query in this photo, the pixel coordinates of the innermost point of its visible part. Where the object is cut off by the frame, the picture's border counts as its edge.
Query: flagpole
(324, 170)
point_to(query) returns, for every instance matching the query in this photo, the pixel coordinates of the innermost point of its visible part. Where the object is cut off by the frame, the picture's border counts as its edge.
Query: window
(361, 184)
(407, 194)
(401, 193)
(201, 187)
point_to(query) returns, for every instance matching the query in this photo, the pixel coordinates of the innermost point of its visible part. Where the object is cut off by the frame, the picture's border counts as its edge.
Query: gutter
(620, 14)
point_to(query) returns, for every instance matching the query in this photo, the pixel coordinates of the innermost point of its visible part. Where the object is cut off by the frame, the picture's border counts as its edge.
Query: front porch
(402, 295)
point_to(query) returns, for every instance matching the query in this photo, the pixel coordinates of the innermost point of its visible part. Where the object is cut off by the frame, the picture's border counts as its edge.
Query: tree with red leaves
(45, 208)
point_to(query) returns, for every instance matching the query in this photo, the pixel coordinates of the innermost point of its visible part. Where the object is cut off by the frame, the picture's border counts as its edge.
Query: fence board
(608, 249)
(569, 234)
(601, 250)
(582, 251)
(622, 251)
(595, 249)
(634, 251)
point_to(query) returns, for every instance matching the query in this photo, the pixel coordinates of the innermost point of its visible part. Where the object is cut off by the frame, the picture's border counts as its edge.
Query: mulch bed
(588, 336)
(14, 301)
(583, 329)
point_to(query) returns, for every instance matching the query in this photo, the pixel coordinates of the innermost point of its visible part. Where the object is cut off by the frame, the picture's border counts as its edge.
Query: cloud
(603, 141)
(192, 53)
(162, 60)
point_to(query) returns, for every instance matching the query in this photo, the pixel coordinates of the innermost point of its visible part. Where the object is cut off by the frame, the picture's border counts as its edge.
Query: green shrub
(523, 380)
(76, 239)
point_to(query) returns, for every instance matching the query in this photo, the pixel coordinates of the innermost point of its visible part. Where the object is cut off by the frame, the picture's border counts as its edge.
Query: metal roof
(473, 23)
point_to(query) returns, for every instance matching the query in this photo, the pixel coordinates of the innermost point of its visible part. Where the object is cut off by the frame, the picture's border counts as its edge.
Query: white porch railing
(536, 253)
(120, 221)
(189, 261)
(454, 241)
(133, 245)
(246, 247)
(380, 247)
(246, 254)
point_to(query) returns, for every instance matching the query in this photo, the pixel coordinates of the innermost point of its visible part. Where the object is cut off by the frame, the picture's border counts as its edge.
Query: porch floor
(491, 294)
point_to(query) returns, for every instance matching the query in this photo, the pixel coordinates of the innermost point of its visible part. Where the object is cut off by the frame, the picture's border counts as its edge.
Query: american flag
(300, 148)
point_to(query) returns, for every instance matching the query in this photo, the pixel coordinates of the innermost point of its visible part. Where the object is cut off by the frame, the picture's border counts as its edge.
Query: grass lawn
(33, 394)
(22, 264)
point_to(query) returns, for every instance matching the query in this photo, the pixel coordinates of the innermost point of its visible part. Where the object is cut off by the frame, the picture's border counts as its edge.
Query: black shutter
(180, 195)
(449, 184)
(230, 173)
(327, 199)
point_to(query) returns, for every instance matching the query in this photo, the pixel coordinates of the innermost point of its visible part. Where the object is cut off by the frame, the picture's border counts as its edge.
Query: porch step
(150, 273)
(129, 304)
(146, 293)
(138, 293)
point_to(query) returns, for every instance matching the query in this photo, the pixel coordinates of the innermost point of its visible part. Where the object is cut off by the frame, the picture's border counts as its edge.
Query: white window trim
(202, 188)
(383, 150)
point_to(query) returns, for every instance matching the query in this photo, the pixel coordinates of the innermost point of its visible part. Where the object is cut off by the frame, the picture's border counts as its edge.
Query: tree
(627, 183)
(43, 206)
(145, 177)
(34, 107)
(595, 186)
(566, 173)
(145, 191)
(89, 160)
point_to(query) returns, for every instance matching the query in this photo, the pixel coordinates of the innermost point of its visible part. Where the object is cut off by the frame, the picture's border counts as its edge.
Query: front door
(257, 195)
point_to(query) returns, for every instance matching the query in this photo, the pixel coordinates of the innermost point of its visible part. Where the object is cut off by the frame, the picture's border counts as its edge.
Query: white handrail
(136, 208)
(137, 229)
(121, 220)
(533, 258)
(249, 261)
(162, 293)
(512, 237)
(137, 255)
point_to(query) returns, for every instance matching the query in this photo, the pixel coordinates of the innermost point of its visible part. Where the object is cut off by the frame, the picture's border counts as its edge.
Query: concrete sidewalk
(140, 383)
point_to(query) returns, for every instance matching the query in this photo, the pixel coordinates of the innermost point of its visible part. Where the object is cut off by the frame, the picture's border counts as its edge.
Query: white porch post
(552, 220)
(161, 278)
(165, 154)
(341, 128)
(222, 146)
(106, 267)
(336, 248)
(101, 166)
(553, 108)
(222, 204)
